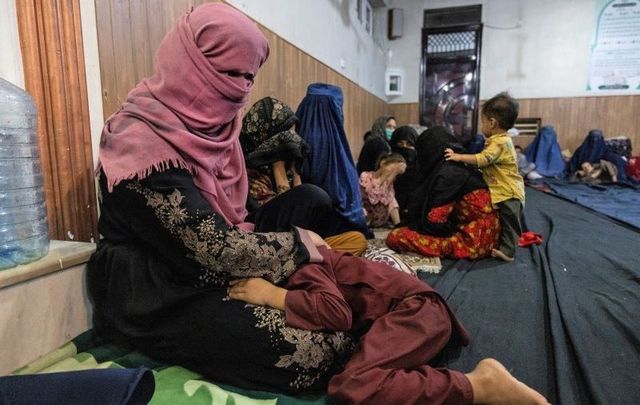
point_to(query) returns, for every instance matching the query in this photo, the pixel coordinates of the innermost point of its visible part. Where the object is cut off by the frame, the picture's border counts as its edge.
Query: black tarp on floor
(565, 316)
(619, 201)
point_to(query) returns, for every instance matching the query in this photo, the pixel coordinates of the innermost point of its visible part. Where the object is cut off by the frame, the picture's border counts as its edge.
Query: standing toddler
(498, 163)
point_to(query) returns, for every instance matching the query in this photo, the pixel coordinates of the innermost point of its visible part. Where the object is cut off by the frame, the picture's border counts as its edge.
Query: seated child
(595, 173)
(526, 168)
(500, 169)
(378, 195)
(401, 324)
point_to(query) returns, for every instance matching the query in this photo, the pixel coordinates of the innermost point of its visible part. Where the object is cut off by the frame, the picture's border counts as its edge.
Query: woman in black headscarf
(450, 212)
(376, 144)
(273, 151)
(274, 155)
(403, 142)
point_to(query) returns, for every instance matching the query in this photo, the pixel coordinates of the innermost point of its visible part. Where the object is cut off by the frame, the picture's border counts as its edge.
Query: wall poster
(615, 52)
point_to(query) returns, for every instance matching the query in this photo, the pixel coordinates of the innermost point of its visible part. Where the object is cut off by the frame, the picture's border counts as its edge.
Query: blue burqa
(330, 166)
(592, 150)
(545, 152)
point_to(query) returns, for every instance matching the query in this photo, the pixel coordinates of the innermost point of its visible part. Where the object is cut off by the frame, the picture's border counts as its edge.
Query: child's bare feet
(500, 255)
(493, 384)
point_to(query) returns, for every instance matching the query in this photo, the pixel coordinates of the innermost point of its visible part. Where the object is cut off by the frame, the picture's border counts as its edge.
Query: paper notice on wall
(615, 55)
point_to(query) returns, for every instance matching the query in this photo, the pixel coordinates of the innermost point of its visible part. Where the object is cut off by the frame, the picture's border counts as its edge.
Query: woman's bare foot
(497, 253)
(493, 384)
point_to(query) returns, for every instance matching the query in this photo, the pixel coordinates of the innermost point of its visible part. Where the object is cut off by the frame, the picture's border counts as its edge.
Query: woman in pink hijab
(174, 187)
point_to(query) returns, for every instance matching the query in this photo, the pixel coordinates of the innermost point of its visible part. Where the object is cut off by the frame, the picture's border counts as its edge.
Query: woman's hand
(257, 291)
(280, 176)
(296, 177)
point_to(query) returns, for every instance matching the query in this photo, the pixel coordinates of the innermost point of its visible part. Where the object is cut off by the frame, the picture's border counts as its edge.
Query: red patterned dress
(478, 230)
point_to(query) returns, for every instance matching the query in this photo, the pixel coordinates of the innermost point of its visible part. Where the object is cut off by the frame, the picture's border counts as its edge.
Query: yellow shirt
(498, 163)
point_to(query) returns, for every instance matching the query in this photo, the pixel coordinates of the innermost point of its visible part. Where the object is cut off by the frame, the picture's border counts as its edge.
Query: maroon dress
(402, 324)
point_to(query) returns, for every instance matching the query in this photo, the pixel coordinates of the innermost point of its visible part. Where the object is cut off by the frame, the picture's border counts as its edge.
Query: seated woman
(450, 213)
(330, 165)
(273, 151)
(403, 141)
(174, 188)
(274, 154)
(376, 143)
(378, 196)
(544, 152)
(594, 149)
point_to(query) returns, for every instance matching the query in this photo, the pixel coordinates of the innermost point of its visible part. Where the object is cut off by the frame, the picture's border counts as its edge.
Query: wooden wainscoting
(572, 117)
(53, 60)
(129, 31)
(405, 113)
(289, 71)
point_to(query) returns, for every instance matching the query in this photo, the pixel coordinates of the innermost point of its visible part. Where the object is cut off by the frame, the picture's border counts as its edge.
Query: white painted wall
(548, 56)
(10, 54)
(329, 31)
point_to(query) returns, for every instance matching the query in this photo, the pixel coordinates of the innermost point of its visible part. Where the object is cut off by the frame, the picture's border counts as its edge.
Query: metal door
(450, 79)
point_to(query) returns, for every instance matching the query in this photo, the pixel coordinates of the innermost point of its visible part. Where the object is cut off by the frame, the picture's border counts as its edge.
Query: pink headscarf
(186, 114)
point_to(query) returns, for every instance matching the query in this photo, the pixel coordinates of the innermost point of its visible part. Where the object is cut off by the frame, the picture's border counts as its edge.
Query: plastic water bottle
(24, 233)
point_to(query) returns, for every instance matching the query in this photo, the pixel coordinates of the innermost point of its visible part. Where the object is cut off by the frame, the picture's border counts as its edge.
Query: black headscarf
(267, 135)
(405, 182)
(438, 181)
(403, 133)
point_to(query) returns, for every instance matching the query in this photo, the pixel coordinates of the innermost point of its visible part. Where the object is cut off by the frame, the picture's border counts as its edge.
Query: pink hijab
(187, 114)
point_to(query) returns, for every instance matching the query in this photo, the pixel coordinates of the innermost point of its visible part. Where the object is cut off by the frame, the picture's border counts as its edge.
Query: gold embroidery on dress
(223, 254)
(315, 352)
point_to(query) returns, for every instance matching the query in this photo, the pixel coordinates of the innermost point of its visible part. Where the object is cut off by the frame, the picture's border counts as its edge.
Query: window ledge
(62, 255)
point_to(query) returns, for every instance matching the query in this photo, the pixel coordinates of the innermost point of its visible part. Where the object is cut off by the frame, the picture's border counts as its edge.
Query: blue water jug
(24, 233)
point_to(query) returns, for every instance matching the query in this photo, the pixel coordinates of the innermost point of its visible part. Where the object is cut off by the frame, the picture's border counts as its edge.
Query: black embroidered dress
(158, 281)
